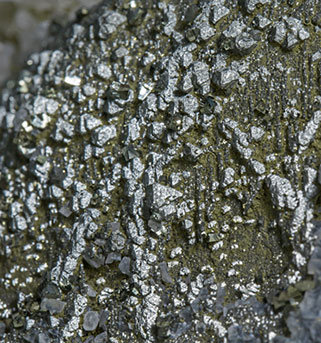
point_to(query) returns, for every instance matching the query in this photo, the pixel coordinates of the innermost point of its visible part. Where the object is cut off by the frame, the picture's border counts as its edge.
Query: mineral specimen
(160, 177)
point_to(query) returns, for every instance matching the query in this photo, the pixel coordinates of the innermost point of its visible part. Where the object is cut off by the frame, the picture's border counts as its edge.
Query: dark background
(24, 27)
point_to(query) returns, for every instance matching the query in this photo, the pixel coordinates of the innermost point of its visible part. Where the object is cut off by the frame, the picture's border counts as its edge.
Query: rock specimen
(159, 177)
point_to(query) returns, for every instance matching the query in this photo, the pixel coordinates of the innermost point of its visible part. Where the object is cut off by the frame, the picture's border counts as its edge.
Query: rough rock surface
(160, 168)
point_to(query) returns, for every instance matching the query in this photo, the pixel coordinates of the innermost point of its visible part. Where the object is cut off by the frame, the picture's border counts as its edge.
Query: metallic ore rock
(160, 177)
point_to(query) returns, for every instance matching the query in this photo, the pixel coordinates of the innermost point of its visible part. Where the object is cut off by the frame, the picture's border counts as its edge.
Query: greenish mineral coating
(159, 177)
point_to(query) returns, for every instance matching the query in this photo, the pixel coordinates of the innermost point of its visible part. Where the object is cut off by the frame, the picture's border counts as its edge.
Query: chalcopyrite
(160, 177)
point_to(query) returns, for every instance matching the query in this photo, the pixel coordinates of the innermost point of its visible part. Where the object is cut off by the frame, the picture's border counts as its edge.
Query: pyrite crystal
(159, 177)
